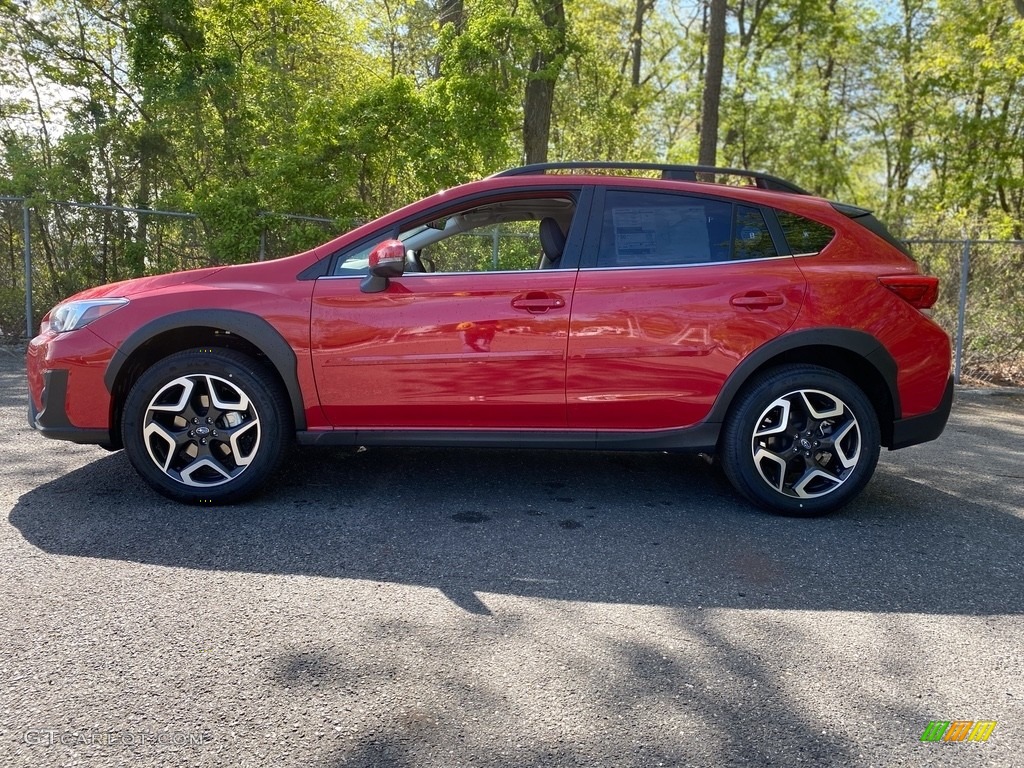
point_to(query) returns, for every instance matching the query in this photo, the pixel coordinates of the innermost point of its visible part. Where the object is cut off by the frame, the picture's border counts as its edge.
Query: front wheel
(206, 426)
(801, 440)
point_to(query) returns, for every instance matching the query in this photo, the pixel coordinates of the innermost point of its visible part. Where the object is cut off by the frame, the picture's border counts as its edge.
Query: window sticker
(658, 235)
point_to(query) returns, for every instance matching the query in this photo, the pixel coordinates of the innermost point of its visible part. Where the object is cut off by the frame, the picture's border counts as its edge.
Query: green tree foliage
(347, 108)
(974, 136)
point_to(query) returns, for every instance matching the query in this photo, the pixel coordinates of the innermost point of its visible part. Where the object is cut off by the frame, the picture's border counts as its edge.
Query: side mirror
(387, 260)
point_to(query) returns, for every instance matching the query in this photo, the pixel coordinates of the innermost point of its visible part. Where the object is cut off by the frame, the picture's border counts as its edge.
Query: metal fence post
(965, 268)
(26, 221)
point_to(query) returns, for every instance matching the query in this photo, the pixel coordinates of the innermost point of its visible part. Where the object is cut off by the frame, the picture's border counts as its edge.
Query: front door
(472, 336)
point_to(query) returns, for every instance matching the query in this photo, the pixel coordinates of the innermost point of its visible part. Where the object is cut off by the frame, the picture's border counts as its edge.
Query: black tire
(207, 426)
(800, 440)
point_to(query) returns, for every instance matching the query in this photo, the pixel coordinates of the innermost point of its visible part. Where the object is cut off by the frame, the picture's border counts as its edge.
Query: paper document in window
(660, 235)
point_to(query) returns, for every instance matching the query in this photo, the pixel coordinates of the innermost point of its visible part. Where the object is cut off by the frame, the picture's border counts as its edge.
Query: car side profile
(573, 305)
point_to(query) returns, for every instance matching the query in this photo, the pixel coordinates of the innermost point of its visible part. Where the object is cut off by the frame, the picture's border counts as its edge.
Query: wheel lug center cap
(805, 443)
(202, 431)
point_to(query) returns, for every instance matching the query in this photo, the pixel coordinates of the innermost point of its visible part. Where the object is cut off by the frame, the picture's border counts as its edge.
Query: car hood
(140, 285)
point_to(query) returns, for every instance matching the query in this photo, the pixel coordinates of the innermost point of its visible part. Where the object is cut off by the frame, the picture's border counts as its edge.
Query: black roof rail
(669, 172)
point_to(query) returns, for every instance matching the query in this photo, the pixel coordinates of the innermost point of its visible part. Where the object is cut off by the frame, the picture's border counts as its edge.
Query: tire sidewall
(252, 379)
(737, 438)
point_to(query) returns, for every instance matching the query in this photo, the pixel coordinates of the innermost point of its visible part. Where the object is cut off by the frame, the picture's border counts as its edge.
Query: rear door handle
(757, 300)
(538, 302)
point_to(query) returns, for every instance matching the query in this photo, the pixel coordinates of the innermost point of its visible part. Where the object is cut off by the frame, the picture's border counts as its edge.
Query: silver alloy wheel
(806, 444)
(201, 430)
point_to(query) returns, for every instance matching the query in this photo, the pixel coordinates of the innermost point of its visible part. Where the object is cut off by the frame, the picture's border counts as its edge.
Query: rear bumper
(51, 420)
(927, 426)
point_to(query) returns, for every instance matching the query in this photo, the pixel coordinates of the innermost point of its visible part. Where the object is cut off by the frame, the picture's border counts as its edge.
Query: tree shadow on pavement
(625, 528)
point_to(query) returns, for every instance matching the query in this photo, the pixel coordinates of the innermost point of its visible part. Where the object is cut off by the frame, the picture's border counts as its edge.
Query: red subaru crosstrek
(553, 306)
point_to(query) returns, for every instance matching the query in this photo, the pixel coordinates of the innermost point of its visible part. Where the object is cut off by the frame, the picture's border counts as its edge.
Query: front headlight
(73, 315)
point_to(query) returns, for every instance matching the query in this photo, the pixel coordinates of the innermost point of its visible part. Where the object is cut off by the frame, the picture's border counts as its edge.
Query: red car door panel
(482, 350)
(651, 348)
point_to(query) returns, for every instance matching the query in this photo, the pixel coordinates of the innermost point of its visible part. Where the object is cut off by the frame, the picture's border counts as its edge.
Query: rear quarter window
(804, 235)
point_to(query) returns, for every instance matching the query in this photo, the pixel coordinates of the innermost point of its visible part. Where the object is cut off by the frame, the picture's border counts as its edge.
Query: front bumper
(927, 426)
(67, 397)
(51, 420)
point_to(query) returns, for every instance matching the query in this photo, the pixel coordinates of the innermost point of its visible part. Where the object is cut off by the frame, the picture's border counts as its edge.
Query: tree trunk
(712, 84)
(451, 12)
(636, 37)
(540, 86)
(540, 95)
(448, 12)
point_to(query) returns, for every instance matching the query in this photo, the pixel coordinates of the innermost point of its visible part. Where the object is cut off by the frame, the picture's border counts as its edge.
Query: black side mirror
(387, 260)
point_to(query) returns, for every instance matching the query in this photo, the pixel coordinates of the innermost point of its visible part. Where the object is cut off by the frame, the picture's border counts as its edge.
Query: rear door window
(648, 229)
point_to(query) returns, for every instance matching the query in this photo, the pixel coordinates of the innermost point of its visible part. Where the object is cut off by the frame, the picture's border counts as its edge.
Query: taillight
(920, 291)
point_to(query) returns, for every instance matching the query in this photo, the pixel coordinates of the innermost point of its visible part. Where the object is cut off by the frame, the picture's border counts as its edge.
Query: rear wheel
(801, 440)
(206, 426)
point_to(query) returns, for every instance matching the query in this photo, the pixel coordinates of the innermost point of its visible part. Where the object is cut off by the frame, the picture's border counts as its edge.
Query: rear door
(674, 291)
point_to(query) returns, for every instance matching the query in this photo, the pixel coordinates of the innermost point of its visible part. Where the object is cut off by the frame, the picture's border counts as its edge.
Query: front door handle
(753, 300)
(537, 302)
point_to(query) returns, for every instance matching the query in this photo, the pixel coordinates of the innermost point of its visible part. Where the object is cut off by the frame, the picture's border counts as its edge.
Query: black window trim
(778, 235)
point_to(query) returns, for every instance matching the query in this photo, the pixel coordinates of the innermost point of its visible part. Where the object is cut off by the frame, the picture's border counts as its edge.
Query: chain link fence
(15, 270)
(57, 248)
(981, 305)
(52, 249)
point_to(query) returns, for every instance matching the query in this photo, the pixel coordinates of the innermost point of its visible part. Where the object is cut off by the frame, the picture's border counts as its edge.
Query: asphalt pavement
(415, 607)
